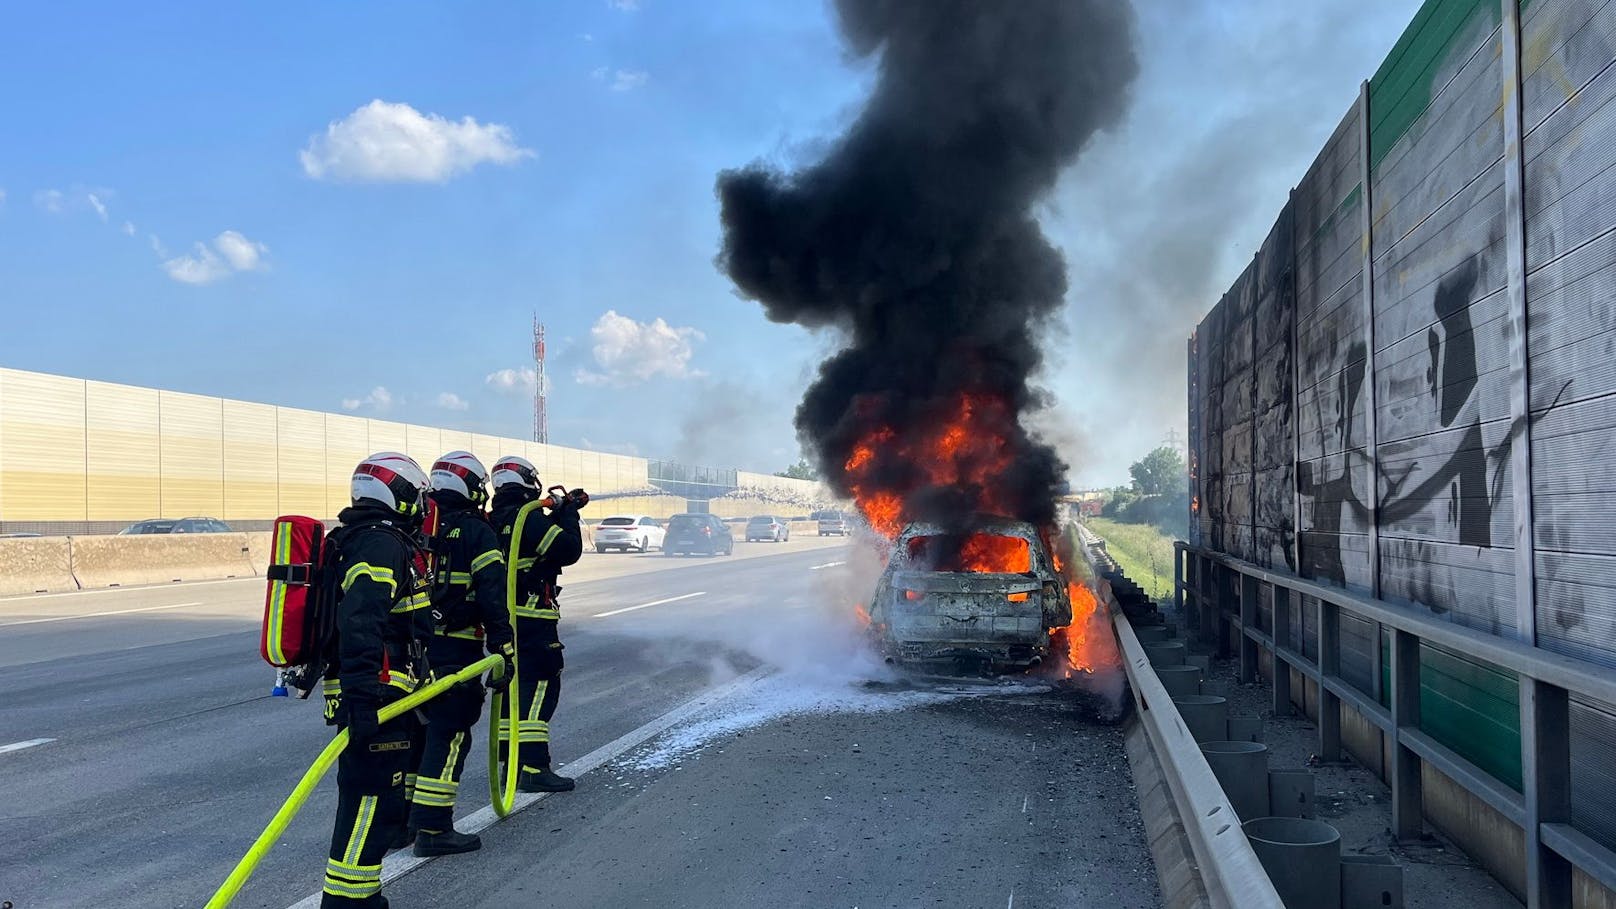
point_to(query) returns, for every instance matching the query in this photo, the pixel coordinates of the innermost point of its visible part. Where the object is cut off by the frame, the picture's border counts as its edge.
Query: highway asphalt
(140, 753)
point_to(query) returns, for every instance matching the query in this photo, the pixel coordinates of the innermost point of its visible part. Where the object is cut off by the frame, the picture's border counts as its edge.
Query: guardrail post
(1282, 638)
(1407, 820)
(1222, 623)
(1329, 670)
(1248, 626)
(1546, 777)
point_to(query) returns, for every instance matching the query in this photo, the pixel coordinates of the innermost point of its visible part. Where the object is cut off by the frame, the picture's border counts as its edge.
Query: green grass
(1143, 552)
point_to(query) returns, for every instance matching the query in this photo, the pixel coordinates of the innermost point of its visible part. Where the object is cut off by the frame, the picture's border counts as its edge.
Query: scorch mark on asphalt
(602, 615)
(401, 863)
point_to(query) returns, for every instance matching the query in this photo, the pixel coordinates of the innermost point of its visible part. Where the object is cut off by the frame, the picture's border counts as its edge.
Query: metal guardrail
(1230, 871)
(1547, 680)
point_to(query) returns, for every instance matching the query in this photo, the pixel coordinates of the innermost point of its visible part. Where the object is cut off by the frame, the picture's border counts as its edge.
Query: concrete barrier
(36, 565)
(259, 548)
(158, 559)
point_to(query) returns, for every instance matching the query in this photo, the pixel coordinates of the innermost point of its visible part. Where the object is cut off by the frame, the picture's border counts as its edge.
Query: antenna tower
(541, 388)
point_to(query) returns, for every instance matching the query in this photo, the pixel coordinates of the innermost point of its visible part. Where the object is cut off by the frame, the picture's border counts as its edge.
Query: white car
(629, 531)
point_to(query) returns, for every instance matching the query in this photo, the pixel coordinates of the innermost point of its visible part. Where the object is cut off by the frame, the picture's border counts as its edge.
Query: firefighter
(468, 612)
(550, 542)
(377, 661)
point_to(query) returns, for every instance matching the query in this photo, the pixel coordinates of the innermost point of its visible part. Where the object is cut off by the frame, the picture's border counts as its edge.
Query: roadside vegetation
(1143, 552)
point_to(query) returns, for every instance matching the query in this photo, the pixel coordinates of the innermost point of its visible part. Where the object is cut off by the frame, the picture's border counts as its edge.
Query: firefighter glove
(502, 681)
(362, 722)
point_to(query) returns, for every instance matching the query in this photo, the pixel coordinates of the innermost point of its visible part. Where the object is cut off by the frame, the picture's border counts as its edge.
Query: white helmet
(393, 480)
(511, 470)
(461, 472)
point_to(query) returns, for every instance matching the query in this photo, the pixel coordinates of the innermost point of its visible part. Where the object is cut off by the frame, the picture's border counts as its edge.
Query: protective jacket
(381, 594)
(468, 594)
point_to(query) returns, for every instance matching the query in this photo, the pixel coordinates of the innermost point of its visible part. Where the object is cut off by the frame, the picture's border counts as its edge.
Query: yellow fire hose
(501, 797)
(305, 786)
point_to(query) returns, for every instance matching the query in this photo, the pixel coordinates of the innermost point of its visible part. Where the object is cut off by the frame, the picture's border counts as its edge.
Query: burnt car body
(938, 604)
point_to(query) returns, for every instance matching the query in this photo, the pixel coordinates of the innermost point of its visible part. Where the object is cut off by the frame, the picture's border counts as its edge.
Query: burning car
(983, 599)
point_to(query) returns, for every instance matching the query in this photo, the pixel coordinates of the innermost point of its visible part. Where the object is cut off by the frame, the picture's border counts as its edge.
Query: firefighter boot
(447, 842)
(403, 838)
(545, 780)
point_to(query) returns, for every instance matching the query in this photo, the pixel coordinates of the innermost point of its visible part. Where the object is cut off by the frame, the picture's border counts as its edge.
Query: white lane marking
(96, 615)
(826, 565)
(403, 862)
(18, 746)
(602, 615)
(108, 590)
(1024, 800)
(1012, 903)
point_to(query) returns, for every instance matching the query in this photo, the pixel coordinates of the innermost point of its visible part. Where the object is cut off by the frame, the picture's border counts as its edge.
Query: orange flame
(959, 453)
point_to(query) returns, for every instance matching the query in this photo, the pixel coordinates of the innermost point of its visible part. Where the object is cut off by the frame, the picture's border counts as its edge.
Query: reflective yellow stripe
(414, 601)
(538, 700)
(491, 557)
(365, 569)
(277, 609)
(469, 633)
(549, 537)
(462, 578)
(401, 681)
(356, 840)
(332, 687)
(525, 563)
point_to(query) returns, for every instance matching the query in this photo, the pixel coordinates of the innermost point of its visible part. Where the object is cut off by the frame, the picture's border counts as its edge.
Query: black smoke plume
(916, 237)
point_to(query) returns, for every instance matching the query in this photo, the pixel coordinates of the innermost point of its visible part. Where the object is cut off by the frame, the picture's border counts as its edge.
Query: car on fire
(983, 599)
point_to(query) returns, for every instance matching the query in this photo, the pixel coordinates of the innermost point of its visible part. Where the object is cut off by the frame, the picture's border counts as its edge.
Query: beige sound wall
(73, 450)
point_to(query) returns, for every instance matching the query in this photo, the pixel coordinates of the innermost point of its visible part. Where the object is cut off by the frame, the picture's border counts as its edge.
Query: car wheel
(599, 548)
(644, 546)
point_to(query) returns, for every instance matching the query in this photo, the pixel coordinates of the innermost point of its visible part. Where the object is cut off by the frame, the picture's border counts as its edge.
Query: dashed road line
(18, 746)
(602, 615)
(96, 615)
(826, 565)
(136, 588)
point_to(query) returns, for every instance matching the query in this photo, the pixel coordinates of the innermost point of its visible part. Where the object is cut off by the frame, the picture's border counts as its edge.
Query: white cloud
(626, 80)
(99, 206)
(242, 253)
(383, 142)
(626, 6)
(448, 400)
(231, 252)
(517, 380)
(629, 352)
(202, 267)
(379, 399)
(128, 229)
(50, 200)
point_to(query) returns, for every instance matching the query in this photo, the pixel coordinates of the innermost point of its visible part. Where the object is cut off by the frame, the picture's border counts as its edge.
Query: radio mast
(541, 387)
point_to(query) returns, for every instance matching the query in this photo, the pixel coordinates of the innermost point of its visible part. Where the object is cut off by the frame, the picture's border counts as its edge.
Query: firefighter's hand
(362, 722)
(502, 681)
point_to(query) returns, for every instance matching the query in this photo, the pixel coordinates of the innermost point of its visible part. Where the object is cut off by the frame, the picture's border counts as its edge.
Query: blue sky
(347, 246)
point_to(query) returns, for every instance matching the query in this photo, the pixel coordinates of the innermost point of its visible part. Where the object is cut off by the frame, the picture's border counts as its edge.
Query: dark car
(767, 527)
(176, 525)
(692, 533)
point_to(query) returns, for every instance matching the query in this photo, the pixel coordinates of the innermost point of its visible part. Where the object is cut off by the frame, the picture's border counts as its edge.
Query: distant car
(638, 532)
(175, 525)
(832, 523)
(985, 600)
(767, 527)
(697, 533)
(18, 534)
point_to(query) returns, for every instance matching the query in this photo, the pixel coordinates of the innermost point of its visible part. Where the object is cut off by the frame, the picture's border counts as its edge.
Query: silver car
(983, 600)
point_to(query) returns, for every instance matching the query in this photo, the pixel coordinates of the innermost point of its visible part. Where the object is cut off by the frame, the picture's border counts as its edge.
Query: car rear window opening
(972, 553)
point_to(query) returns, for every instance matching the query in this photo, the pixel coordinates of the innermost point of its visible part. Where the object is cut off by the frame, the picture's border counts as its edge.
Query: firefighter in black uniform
(549, 543)
(468, 611)
(377, 660)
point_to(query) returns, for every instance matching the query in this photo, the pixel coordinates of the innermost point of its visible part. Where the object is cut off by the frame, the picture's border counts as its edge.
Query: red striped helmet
(460, 471)
(391, 480)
